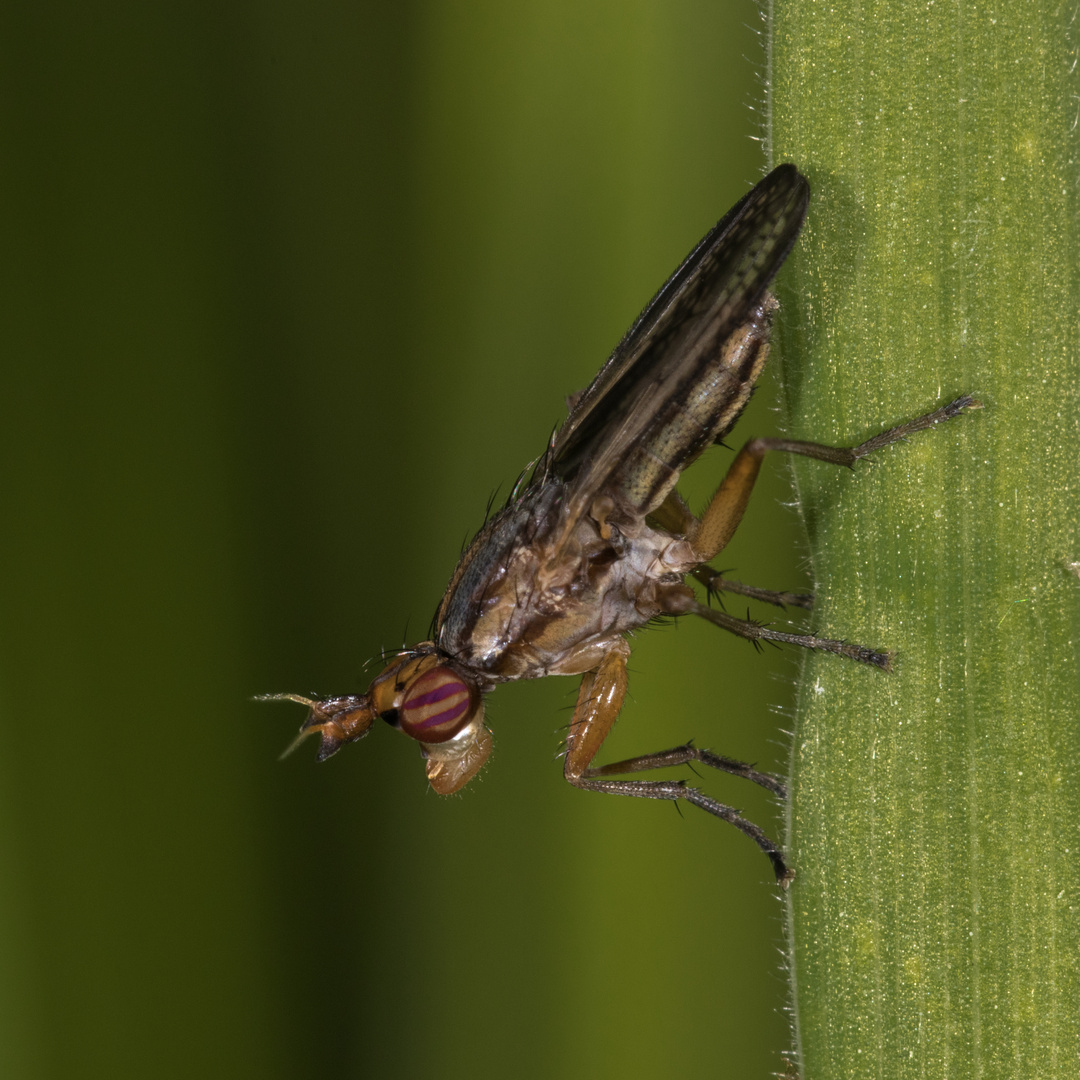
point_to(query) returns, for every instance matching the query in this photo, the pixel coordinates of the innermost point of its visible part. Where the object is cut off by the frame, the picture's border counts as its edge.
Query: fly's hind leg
(725, 511)
(599, 701)
(711, 534)
(675, 516)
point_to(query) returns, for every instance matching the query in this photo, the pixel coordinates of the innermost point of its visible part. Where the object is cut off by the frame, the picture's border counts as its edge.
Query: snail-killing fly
(598, 542)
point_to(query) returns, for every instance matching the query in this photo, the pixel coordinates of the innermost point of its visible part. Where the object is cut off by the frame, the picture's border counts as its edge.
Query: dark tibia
(753, 631)
(715, 582)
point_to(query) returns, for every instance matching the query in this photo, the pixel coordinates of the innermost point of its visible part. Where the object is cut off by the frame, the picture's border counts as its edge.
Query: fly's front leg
(684, 755)
(599, 701)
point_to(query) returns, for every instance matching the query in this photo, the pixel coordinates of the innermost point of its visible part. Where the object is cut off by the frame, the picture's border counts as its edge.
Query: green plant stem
(933, 928)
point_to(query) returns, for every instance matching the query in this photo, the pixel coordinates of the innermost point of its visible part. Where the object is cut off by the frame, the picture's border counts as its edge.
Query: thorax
(536, 595)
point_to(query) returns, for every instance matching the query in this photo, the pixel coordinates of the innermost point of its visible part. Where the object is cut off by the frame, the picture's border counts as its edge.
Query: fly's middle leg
(715, 582)
(753, 631)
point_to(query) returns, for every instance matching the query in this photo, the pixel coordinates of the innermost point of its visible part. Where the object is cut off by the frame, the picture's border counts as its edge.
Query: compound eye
(437, 705)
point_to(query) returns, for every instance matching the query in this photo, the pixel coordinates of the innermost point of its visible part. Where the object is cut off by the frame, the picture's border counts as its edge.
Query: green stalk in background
(934, 926)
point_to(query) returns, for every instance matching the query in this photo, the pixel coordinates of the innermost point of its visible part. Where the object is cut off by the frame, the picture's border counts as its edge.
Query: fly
(598, 542)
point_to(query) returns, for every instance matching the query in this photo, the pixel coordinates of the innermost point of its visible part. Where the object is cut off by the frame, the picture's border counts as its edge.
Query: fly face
(598, 541)
(429, 698)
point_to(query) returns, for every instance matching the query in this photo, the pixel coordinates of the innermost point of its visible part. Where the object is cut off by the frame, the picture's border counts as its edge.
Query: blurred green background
(288, 290)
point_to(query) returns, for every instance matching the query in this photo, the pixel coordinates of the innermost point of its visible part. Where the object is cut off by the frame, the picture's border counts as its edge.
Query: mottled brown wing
(658, 363)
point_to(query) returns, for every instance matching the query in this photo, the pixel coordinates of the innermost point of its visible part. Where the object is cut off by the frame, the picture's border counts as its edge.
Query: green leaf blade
(934, 929)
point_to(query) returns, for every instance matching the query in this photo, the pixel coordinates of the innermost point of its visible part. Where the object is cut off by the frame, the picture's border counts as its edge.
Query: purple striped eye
(437, 705)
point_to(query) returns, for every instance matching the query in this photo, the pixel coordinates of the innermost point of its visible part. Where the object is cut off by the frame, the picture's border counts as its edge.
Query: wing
(671, 351)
